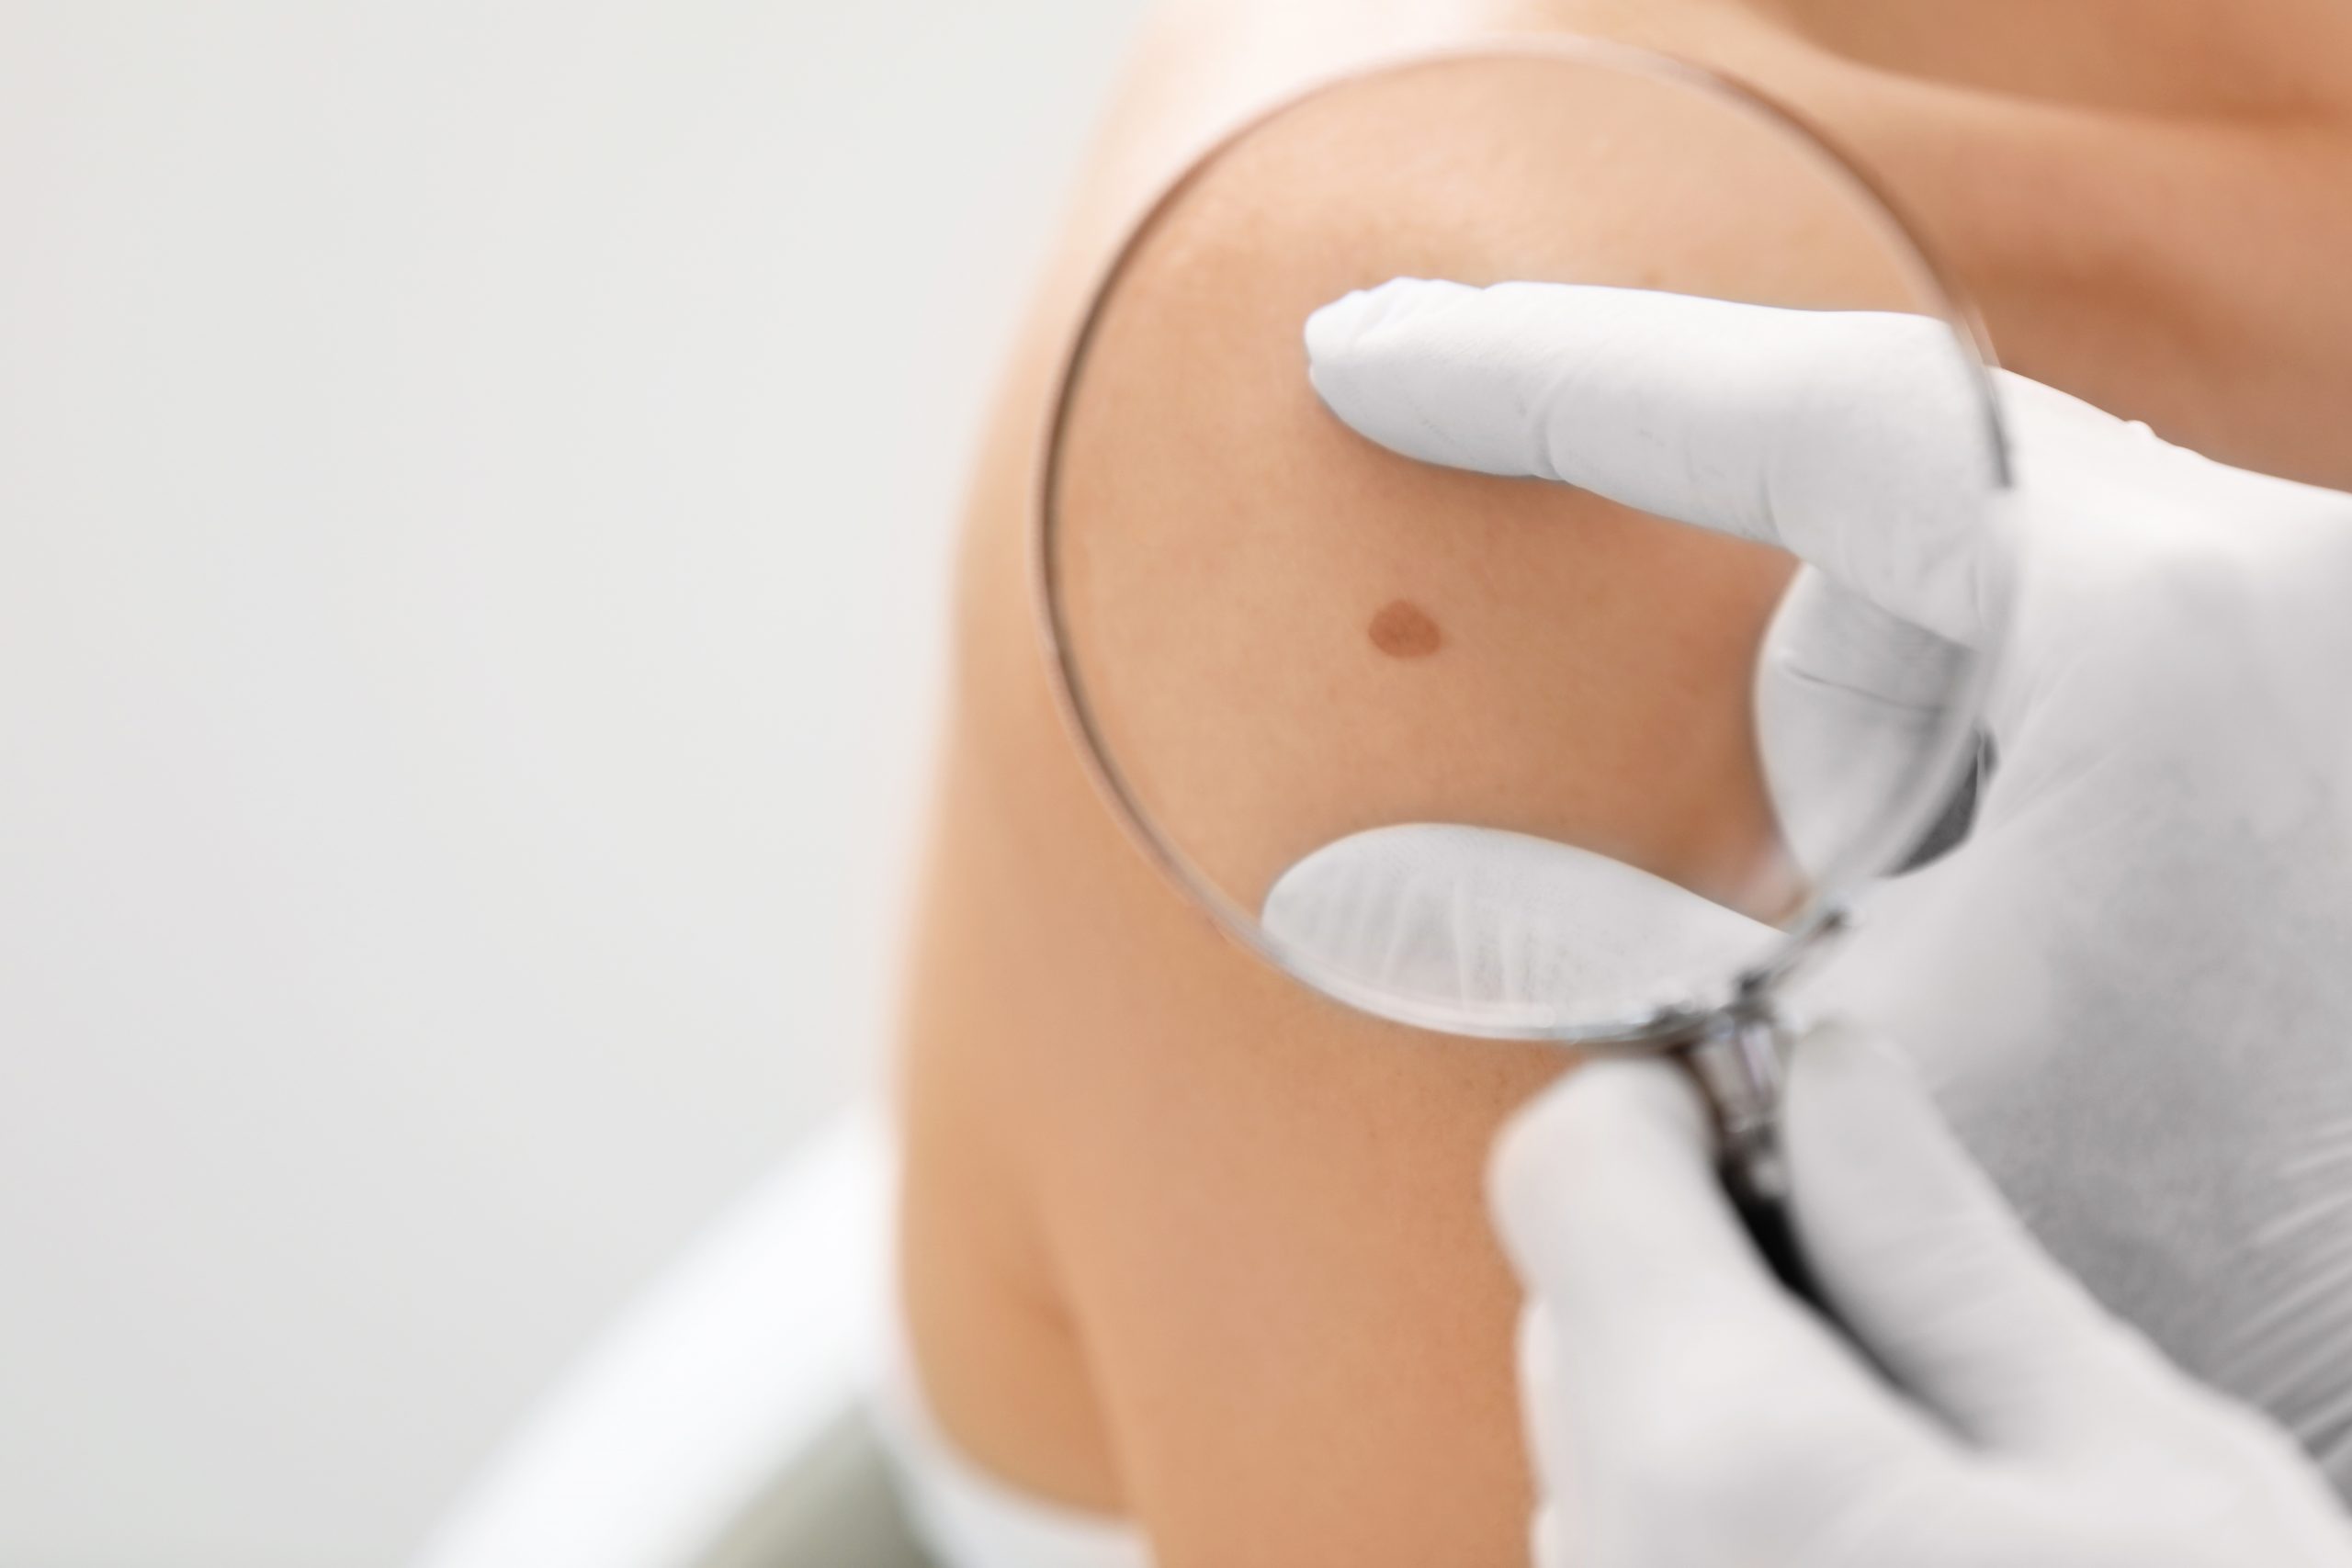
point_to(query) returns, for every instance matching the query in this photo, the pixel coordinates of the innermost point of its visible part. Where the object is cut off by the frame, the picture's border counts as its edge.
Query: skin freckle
(1402, 629)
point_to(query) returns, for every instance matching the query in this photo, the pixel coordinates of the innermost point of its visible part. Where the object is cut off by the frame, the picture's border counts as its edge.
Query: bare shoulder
(1238, 1279)
(1182, 1240)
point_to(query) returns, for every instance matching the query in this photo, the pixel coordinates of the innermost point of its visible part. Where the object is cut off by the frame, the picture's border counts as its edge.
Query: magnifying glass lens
(1486, 754)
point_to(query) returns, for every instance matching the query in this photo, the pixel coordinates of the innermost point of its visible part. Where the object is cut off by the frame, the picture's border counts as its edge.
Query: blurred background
(476, 478)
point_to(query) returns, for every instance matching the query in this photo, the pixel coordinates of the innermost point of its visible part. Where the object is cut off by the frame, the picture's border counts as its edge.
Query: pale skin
(1185, 1243)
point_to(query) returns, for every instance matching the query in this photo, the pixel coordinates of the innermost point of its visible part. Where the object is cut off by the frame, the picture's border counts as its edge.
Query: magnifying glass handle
(1738, 1066)
(1763, 1205)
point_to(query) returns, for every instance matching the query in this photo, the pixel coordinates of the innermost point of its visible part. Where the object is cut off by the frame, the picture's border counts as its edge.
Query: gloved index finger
(1605, 1194)
(1670, 1352)
(1860, 441)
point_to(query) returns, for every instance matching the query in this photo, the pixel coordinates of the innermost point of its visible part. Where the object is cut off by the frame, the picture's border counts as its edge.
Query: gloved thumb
(1932, 1270)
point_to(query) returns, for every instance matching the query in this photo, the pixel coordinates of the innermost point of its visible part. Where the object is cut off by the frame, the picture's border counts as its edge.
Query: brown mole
(1402, 629)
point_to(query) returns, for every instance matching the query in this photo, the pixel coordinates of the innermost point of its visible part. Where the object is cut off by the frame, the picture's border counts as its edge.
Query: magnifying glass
(1492, 757)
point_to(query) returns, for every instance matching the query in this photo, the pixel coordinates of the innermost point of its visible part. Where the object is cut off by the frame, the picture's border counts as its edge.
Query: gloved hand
(1684, 1412)
(2132, 988)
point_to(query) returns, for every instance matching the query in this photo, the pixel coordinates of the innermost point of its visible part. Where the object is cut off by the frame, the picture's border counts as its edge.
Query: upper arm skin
(1180, 1237)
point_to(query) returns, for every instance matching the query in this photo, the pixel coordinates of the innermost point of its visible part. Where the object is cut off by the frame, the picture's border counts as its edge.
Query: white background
(475, 481)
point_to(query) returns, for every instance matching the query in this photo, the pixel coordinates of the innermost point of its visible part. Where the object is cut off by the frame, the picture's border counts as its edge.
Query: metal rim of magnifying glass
(1824, 912)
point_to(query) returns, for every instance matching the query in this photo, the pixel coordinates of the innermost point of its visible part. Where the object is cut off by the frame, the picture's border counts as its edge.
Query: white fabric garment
(967, 1518)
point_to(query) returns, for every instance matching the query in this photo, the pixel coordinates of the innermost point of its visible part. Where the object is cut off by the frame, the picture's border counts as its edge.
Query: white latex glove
(1684, 1412)
(2132, 988)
